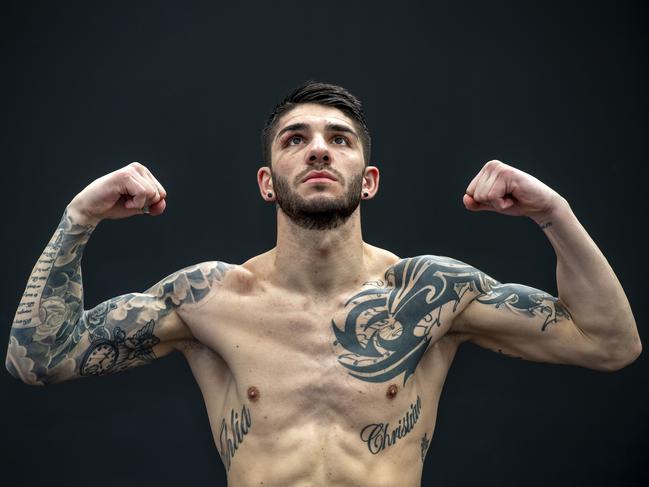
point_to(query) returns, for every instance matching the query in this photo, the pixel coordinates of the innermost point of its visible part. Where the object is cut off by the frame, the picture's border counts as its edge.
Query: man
(321, 361)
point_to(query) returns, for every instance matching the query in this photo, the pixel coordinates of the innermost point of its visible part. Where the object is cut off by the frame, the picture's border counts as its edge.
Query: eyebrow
(336, 127)
(289, 128)
(330, 127)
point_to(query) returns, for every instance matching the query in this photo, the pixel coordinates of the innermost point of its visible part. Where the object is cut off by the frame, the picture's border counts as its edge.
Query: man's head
(320, 94)
(316, 146)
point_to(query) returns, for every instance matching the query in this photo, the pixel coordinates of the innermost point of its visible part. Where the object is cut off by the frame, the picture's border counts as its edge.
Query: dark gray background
(556, 89)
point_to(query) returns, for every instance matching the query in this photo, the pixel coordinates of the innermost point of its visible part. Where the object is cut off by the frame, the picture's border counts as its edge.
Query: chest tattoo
(379, 436)
(230, 439)
(387, 328)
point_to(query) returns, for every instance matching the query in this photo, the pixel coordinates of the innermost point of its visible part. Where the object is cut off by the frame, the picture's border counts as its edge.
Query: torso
(297, 395)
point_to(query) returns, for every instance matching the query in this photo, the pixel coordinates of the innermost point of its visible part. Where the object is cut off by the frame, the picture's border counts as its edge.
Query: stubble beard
(319, 212)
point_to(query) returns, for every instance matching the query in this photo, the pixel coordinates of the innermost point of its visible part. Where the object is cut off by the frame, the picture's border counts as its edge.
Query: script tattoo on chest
(379, 436)
(388, 327)
(231, 438)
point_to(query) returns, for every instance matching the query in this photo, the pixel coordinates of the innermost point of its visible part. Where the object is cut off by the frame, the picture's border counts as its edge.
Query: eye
(340, 140)
(294, 140)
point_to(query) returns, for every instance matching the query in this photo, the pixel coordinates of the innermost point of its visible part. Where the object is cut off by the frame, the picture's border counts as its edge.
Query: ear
(265, 182)
(370, 182)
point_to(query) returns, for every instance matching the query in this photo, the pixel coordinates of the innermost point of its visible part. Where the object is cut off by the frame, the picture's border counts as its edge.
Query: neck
(319, 262)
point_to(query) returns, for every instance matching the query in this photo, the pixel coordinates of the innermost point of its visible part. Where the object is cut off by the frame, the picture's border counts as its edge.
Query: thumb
(473, 205)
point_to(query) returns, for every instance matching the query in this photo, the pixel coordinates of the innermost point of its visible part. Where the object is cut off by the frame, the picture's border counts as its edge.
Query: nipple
(253, 393)
(392, 391)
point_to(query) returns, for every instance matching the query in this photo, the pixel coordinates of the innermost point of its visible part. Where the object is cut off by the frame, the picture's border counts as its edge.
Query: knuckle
(124, 173)
(494, 163)
(138, 166)
(129, 174)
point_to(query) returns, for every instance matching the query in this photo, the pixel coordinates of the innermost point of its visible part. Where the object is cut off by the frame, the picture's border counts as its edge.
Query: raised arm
(590, 323)
(54, 339)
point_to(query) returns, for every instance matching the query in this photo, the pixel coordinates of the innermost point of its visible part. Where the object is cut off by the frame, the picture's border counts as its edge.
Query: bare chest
(352, 376)
(288, 351)
(325, 360)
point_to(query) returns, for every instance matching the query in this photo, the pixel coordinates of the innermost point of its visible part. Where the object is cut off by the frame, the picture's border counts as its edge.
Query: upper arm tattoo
(59, 340)
(526, 300)
(122, 329)
(387, 328)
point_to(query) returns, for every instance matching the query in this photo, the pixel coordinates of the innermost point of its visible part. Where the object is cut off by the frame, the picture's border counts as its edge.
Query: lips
(319, 175)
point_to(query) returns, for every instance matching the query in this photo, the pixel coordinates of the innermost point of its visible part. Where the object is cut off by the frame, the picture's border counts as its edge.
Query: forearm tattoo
(53, 338)
(231, 438)
(379, 436)
(387, 327)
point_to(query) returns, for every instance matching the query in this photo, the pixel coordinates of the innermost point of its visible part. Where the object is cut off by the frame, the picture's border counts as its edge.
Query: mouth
(319, 177)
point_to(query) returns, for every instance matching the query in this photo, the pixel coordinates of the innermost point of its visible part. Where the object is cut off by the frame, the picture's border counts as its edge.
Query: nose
(318, 152)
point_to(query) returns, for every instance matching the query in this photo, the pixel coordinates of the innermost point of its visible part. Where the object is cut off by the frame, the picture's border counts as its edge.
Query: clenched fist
(507, 190)
(129, 191)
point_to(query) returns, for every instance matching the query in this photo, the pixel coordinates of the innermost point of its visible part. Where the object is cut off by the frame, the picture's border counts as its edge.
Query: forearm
(53, 299)
(587, 285)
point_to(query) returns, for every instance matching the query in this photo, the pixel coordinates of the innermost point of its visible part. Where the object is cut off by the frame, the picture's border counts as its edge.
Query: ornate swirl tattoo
(388, 327)
(526, 300)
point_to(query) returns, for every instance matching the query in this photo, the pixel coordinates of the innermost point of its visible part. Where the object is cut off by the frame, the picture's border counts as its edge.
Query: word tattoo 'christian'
(229, 441)
(378, 437)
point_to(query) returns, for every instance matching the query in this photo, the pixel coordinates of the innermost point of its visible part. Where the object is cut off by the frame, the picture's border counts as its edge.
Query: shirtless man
(321, 361)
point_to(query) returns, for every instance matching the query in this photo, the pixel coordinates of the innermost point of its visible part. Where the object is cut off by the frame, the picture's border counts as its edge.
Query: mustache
(329, 169)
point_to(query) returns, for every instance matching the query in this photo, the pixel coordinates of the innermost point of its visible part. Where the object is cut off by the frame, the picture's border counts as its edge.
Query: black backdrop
(556, 89)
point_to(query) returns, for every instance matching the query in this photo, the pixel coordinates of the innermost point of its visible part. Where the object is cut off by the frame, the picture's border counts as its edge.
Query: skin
(321, 361)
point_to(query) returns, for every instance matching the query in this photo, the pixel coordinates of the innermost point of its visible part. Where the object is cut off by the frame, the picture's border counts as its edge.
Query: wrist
(558, 210)
(79, 217)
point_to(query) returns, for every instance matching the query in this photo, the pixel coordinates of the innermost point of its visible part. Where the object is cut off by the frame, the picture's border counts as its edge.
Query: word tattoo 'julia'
(378, 435)
(231, 439)
(388, 326)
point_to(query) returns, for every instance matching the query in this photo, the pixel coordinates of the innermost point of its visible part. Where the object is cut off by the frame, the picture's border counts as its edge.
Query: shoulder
(422, 267)
(444, 279)
(193, 284)
(428, 265)
(203, 273)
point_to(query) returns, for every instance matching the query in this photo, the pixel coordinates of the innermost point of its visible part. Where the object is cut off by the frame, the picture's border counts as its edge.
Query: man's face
(317, 166)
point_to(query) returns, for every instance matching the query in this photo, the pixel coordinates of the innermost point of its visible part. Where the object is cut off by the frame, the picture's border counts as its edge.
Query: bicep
(118, 334)
(133, 329)
(525, 322)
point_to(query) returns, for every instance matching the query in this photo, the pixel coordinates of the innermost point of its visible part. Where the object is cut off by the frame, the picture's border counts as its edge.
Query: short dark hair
(321, 94)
